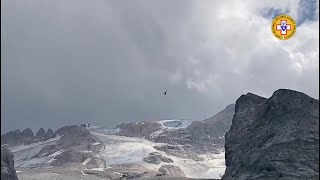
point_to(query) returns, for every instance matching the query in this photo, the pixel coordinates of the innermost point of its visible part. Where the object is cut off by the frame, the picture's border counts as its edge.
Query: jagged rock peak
(27, 133)
(41, 133)
(50, 134)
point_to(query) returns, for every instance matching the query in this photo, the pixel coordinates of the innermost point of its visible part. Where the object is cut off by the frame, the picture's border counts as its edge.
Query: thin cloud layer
(108, 62)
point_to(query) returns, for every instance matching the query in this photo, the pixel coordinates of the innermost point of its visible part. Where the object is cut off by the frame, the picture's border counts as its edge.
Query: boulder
(157, 158)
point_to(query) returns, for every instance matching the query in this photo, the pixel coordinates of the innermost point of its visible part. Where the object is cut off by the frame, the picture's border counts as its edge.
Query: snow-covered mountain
(137, 150)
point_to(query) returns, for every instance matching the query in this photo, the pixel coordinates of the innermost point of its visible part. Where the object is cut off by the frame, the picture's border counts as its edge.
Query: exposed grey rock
(138, 129)
(95, 163)
(50, 134)
(27, 133)
(152, 159)
(8, 171)
(40, 134)
(157, 158)
(12, 138)
(70, 156)
(171, 170)
(274, 138)
(208, 131)
(28, 136)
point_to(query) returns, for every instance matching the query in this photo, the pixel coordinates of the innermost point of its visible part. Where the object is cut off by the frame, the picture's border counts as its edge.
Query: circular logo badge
(283, 27)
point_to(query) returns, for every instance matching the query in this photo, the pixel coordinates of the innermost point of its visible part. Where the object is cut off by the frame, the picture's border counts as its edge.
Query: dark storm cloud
(307, 11)
(107, 62)
(273, 12)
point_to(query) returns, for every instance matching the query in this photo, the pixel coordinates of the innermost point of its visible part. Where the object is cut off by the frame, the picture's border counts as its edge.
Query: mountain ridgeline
(15, 138)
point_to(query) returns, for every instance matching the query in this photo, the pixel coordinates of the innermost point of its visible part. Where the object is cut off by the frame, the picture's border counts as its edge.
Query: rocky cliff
(8, 171)
(275, 138)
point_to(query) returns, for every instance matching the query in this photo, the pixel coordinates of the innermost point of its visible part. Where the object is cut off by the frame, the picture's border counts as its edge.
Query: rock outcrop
(275, 138)
(71, 156)
(171, 170)
(8, 171)
(27, 133)
(40, 134)
(157, 158)
(50, 134)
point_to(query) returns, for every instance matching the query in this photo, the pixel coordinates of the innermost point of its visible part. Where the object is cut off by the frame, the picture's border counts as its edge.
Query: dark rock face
(27, 133)
(171, 170)
(139, 129)
(40, 134)
(12, 138)
(28, 136)
(274, 138)
(8, 171)
(50, 134)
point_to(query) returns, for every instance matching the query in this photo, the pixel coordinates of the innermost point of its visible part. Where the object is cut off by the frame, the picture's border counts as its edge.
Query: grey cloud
(307, 11)
(273, 12)
(107, 62)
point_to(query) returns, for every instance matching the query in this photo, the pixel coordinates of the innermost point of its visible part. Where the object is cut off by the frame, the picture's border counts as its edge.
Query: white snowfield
(23, 154)
(34, 145)
(121, 149)
(116, 150)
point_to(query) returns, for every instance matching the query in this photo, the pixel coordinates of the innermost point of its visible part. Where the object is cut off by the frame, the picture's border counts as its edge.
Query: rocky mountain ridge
(15, 138)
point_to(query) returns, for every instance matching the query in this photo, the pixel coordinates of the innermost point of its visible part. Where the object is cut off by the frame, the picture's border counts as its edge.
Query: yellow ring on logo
(283, 27)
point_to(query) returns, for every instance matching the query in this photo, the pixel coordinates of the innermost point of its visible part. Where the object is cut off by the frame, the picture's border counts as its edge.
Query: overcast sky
(106, 62)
